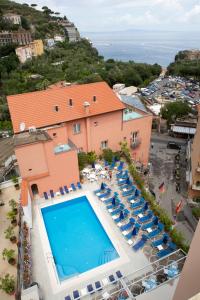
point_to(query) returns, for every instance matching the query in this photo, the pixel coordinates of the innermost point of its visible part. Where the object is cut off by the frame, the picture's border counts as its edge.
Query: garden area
(8, 245)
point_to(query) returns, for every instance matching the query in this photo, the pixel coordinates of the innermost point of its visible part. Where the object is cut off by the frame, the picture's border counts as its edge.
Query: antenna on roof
(22, 126)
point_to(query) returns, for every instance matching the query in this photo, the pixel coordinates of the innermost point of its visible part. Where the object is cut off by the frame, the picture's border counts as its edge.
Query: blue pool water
(77, 238)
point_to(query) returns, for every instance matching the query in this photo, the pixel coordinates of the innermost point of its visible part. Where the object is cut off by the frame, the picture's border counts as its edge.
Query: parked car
(173, 145)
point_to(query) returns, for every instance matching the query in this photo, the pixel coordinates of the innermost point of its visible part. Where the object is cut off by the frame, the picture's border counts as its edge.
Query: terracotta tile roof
(38, 108)
(24, 193)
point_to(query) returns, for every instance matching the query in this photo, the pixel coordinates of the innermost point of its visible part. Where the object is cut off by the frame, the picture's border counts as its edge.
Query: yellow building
(37, 47)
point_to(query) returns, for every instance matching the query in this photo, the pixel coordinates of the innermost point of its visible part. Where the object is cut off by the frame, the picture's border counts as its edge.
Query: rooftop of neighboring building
(25, 138)
(133, 101)
(62, 104)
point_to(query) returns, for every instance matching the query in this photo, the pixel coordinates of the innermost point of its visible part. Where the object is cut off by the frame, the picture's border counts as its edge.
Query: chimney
(86, 107)
(70, 102)
(94, 98)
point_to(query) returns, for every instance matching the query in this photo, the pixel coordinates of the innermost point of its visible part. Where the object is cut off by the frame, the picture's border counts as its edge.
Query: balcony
(135, 143)
(198, 169)
(196, 187)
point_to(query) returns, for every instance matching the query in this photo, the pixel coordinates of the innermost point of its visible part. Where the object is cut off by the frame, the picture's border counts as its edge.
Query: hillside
(186, 64)
(41, 22)
(77, 62)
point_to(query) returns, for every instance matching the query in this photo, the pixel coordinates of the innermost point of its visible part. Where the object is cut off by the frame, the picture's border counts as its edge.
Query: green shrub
(108, 155)
(91, 157)
(82, 160)
(196, 212)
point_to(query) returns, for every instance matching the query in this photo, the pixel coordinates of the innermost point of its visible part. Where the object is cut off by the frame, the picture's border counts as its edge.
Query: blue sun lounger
(79, 185)
(73, 187)
(111, 206)
(150, 224)
(126, 213)
(119, 274)
(147, 217)
(164, 252)
(61, 191)
(132, 197)
(66, 189)
(98, 286)
(126, 186)
(90, 289)
(138, 211)
(156, 231)
(137, 204)
(129, 192)
(118, 210)
(140, 244)
(122, 181)
(128, 225)
(51, 193)
(109, 200)
(163, 240)
(112, 165)
(105, 194)
(100, 190)
(76, 294)
(46, 196)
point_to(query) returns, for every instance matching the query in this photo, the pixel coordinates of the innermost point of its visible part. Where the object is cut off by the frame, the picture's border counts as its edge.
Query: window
(54, 134)
(95, 124)
(77, 128)
(198, 183)
(134, 136)
(80, 150)
(56, 108)
(104, 145)
(124, 138)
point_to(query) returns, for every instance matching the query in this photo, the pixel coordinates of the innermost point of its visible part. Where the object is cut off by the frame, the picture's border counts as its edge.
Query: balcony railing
(135, 143)
(196, 187)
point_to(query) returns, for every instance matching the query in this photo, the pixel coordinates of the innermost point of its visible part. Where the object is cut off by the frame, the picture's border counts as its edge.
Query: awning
(181, 129)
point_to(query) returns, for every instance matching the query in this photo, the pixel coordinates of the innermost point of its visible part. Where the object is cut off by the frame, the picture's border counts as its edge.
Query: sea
(142, 45)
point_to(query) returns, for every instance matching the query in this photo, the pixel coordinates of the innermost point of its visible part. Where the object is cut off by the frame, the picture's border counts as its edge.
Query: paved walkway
(7, 194)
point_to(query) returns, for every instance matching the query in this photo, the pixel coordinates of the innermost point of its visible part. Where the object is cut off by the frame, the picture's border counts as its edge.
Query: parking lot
(162, 170)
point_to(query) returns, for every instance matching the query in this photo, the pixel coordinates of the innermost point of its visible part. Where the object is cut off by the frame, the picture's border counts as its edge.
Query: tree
(25, 23)
(57, 13)
(172, 111)
(33, 5)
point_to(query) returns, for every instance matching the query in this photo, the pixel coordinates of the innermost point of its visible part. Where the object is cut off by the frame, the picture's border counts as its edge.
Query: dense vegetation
(42, 21)
(74, 62)
(182, 66)
(173, 110)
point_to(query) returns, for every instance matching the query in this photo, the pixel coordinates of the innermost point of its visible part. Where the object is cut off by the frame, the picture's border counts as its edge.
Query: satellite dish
(22, 126)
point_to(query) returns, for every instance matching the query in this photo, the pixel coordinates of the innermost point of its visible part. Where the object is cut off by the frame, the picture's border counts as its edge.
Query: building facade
(71, 31)
(193, 173)
(20, 37)
(26, 52)
(13, 18)
(52, 126)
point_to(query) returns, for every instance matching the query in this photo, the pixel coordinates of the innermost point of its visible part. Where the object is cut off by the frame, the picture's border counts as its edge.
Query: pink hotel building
(53, 125)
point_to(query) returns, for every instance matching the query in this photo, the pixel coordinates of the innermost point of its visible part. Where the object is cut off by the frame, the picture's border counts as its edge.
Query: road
(162, 170)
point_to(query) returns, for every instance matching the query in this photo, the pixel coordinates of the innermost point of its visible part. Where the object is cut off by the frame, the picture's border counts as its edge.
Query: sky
(119, 15)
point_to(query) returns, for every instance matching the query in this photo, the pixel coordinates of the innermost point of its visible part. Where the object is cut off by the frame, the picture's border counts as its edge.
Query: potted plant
(9, 255)
(13, 204)
(16, 182)
(9, 234)
(7, 284)
(12, 217)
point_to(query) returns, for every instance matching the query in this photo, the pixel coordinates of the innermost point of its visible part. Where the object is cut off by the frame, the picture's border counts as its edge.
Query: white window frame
(104, 145)
(76, 128)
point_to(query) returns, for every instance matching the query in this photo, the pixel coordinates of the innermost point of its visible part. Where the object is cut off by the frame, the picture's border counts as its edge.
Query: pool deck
(128, 262)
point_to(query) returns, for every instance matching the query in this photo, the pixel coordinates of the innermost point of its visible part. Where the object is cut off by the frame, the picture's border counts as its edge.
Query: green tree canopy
(172, 111)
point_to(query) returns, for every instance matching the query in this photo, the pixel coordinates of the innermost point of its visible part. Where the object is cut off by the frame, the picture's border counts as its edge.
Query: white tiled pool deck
(43, 270)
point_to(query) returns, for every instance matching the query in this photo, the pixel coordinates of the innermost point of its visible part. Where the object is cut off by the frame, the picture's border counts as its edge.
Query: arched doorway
(34, 189)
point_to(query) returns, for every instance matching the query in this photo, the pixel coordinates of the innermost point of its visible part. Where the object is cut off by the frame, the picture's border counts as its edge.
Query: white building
(13, 18)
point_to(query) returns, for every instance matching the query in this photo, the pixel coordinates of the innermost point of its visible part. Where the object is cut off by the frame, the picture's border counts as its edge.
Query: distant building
(20, 37)
(24, 53)
(13, 18)
(71, 31)
(59, 38)
(37, 47)
(50, 43)
(34, 49)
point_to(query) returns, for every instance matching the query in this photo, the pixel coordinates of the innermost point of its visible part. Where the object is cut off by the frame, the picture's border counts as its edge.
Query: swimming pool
(78, 241)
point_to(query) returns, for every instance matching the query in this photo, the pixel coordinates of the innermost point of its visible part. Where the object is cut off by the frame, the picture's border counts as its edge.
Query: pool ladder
(106, 256)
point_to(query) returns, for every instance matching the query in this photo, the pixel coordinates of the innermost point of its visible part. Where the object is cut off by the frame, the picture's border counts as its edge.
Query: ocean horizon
(142, 45)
